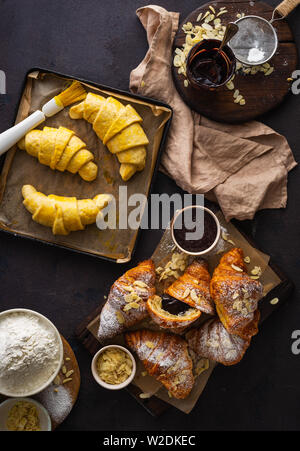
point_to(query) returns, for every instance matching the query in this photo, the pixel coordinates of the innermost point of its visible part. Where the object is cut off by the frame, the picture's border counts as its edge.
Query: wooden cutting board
(154, 405)
(262, 93)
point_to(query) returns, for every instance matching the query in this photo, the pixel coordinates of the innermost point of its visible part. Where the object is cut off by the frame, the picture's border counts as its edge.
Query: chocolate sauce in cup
(207, 68)
(195, 230)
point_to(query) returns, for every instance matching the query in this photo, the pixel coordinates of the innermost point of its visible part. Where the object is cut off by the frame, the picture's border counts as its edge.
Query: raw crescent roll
(63, 214)
(59, 148)
(118, 127)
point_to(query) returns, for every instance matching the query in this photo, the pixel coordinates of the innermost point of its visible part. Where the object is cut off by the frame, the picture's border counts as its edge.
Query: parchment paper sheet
(20, 168)
(160, 257)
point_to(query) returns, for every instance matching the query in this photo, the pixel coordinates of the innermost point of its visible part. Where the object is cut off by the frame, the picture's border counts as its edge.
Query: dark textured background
(102, 41)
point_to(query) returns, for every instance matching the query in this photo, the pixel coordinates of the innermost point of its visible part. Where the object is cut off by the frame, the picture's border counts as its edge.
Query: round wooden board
(262, 93)
(47, 396)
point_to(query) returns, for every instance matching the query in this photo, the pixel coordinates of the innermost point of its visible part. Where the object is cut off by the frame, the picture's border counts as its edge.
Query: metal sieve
(256, 41)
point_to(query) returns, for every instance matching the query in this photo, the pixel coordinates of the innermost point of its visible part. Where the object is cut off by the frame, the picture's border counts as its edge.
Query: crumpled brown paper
(244, 167)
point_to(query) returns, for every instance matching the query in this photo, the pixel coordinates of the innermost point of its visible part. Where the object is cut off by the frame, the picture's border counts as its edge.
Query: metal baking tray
(156, 166)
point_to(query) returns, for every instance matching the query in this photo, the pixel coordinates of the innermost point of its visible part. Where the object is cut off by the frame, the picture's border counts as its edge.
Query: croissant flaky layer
(63, 214)
(193, 287)
(212, 341)
(235, 294)
(126, 303)
(165, 357)
(118, 127)
(59, 148)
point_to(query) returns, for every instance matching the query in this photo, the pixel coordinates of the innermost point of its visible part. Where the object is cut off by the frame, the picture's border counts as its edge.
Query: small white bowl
(212, 246)
(44, 417)
(112, 386)
(60, 349)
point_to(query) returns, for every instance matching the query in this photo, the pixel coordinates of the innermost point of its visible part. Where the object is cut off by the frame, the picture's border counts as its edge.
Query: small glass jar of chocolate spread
(195, 230)
(208, 69)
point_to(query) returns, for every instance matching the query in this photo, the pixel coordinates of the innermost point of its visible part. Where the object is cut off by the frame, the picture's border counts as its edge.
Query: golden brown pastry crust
(168, 321)
(165, 357)
(126, 303)
(212, 341)
(195, 281)
(235, 294)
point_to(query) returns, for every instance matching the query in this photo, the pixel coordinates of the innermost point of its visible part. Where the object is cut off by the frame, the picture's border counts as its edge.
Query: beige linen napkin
(244, 167)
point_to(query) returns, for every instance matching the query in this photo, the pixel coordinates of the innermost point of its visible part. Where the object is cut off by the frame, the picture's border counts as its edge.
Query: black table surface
(103, 41)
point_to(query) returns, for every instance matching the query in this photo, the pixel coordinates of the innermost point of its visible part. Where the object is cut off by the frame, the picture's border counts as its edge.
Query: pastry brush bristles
(72, 94)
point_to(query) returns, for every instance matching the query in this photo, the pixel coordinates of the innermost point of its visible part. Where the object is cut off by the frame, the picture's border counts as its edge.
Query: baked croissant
(235, 294)
(212, 341)
(126, 303)
(193, 287)
(63, 214)
(166, 358)
(118, 127)
(60, 149)
(169, 313)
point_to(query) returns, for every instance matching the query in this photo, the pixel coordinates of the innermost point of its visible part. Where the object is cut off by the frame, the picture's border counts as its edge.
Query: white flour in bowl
(29, 353)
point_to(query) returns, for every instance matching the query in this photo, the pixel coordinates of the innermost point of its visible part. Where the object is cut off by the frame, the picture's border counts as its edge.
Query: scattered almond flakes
(256, 271)
(140, 284)
(274, 301)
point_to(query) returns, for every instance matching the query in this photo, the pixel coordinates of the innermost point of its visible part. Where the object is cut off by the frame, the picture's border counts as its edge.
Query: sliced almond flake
(231, 242)
(140, 284)
(274, 301)
(169, 394)
(144, 373)
(236, 268)
(186, 293)
(57, 380)
(150, 344)
(235, 295)
(254, 277)
(194, 296)
(64, 369)
(243, 102)
(199, 17)
(69, 373)
(236, 93)
(201, 366)
(206, 14)
(120, 317)
(256, 270)
(230, 85)
(68, 379)
(159, 270)
(224, 11)
(247, 259)
(145, 395)
(270, 71)
(128, 288)
(207, 27)
(238, 99)
(185, 83)
(212, 9)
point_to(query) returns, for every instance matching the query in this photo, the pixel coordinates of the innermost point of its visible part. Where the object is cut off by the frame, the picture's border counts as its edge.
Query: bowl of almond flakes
(113, 367)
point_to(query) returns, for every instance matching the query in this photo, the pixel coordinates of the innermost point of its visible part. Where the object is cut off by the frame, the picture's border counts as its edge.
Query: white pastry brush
(72, 94)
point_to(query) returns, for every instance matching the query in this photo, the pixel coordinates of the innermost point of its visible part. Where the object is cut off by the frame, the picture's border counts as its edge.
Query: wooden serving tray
(262, 93)
(154, 405)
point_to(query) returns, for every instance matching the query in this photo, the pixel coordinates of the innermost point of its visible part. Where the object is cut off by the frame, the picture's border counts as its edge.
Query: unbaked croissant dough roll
(63, 214)
(118, 127)
(60, 149)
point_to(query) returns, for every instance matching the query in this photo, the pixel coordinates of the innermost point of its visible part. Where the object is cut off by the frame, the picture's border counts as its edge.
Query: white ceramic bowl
(213, 245)
(111, 386)
(45, 420)
(60, 349)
